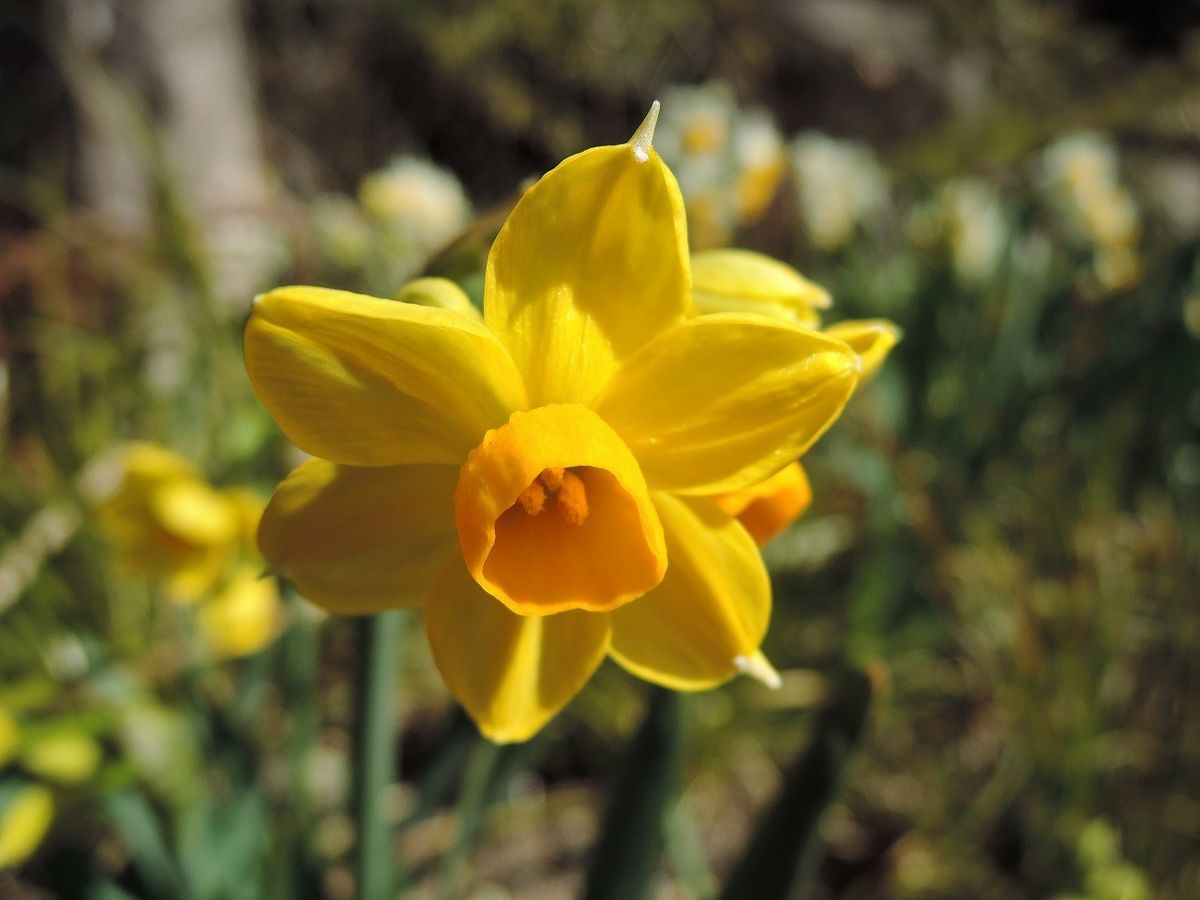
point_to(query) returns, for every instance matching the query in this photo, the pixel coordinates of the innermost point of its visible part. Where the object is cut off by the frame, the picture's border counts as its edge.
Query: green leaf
(626, 855)
(783, 848)
(141, 830)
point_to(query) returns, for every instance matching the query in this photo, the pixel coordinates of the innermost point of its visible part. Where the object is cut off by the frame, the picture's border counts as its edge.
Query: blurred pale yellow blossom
(840, 185)
(729, 161)
(1082, 177)
(342, 230)
(966, 220)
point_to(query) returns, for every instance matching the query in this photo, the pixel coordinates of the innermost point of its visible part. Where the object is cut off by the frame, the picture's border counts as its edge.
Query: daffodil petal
(369, 382)
(590, 265)
(744, 281)
(441, 293)
(547, 560)
(770, 506)
(871, 339)
(511, 673)
(723, 401)
(361, 540)
(711, 609)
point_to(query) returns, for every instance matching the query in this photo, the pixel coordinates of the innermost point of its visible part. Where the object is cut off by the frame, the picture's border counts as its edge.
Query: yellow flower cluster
(839, 186)
(554, 480)
(405, 211)
(743, 281)
(168, 523)
(1082, 175)
(729, 161)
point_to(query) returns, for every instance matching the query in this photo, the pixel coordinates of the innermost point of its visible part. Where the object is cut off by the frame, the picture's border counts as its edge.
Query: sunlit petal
(871, 339)
(361, 540)
(590, 265)
(511, 673)
(711, 609)
(724, 401)
(370, 382)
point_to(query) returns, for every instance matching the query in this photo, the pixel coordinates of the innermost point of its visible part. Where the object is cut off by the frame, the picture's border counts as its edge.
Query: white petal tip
(643, 138)
(757, 667)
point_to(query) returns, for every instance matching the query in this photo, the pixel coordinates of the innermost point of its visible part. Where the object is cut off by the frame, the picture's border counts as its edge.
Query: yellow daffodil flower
(770, 506)
(168, 523)
(25, 817)
(542, 480)
(745, 281)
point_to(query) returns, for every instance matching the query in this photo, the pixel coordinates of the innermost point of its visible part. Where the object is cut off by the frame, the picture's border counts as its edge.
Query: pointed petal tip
(757, 666)
(643, 138)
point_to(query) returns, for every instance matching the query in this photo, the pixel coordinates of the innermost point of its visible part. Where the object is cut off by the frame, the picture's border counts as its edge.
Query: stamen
(533, 498)
(572, 499)
(552, 478)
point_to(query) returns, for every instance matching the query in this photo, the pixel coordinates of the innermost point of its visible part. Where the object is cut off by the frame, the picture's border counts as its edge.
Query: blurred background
(1005, 525)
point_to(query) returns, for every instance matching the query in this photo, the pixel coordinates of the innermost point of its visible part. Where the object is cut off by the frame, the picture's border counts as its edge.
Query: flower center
(562, 489)
(553, 514)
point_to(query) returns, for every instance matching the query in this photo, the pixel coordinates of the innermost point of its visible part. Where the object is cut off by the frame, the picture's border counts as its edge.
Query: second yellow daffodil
(543, 480)
(744, 281)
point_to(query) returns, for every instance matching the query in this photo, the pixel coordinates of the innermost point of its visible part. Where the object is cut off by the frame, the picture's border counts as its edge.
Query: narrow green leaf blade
(631, 841)
(785, 845)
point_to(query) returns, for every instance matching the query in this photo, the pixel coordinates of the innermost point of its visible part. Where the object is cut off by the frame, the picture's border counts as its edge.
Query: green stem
(377, 641)
(626, 855)
(473, 801)
(786, 844)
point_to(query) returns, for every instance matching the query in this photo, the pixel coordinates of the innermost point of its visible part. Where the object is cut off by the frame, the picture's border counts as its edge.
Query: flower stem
(626, 855)
(377, 642)
(786, 843)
